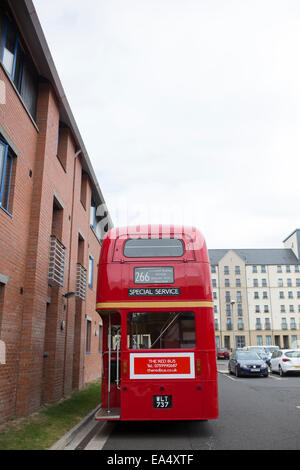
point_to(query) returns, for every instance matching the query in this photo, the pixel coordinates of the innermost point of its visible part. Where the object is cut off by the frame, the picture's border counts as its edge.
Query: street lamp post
(232, 304)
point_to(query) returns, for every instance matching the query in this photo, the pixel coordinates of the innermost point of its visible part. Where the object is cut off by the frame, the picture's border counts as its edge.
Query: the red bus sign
(158, 365)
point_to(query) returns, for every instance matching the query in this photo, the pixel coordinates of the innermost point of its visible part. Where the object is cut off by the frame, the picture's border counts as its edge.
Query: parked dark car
(247, 363)
(223, 353)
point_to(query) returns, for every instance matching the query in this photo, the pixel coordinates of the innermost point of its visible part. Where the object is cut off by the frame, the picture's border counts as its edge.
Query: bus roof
(192, 237)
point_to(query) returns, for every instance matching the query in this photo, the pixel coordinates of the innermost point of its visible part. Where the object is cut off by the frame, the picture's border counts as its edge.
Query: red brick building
(50, 241)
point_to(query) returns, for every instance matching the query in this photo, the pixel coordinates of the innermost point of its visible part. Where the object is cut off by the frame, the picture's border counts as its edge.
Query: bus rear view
(155, 299)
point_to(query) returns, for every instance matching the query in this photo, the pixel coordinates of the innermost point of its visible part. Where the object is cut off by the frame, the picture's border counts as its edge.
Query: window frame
(3, 175)
(88, 339)
(91, 272)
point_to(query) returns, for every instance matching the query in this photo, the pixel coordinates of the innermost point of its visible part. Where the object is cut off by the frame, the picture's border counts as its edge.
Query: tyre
(237, 372)
(281, 373)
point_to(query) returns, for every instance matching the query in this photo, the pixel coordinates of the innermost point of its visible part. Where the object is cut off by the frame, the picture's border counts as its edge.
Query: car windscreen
(244, 356)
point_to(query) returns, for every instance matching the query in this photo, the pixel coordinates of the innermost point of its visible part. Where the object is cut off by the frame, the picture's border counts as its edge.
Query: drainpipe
(70, 253)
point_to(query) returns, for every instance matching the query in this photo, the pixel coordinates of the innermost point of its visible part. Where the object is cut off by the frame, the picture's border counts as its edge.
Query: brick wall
(44, 332)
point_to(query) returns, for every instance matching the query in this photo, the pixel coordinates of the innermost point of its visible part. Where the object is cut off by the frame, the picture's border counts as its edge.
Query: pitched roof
(257, 256)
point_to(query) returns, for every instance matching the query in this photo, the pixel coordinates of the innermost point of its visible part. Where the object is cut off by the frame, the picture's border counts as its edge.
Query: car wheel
(281, 373)
(237, 372)
(266, 374)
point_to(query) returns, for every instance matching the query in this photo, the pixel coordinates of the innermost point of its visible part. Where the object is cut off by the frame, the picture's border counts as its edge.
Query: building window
(88, 336)
(91, 271)
(280, 282)
(283, 324)
(239, 296)
(296, 269)
(281, 294)
(258, 324)
(266, 308)
(237, 270)
(227, 283)
(256, 295)
(288, 269)
(240, 324)
(269, 340)
(293, 324)
(240, 309)
(228, 324)
(263, 269)
(6, 172)
(254, 269)
(264, 282)
(214, 282)
(290, 294)
(279, 269)
(289, 282)
(282, 308)
(214, 295)
(255, 282)
(267, 324)
(257, 308)
(215, 309)
(240, 341)
(294, 341)
(291, 309)
(265, 294)
(259, 340)
(213, 269)
(228, 310)
(297, 282)
(227, 296)
(18, 64)
(238, 282)
(216, 324)
(226, 269)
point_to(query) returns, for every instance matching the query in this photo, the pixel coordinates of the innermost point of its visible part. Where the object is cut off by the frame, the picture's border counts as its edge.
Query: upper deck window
(153, 248)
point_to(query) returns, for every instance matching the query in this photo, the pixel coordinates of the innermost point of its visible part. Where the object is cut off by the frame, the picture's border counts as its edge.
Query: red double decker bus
(155, 299)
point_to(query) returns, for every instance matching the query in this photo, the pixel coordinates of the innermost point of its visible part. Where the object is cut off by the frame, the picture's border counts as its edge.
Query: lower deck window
(161, 330)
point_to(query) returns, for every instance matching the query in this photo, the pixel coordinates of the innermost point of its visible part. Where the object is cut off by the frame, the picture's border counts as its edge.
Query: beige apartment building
(257, 295)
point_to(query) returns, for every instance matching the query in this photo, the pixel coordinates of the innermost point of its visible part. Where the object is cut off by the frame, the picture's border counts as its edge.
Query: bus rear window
(161, 330)
(153, 248)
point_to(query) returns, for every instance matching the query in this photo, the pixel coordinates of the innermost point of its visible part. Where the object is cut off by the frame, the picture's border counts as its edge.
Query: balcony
(81, 279)
(56, 269)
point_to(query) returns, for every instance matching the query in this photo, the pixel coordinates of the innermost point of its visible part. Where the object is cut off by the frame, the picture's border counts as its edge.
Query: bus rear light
(198, 366)
(125, 367)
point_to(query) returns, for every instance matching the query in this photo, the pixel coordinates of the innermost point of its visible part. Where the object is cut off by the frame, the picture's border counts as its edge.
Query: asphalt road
(255, 414)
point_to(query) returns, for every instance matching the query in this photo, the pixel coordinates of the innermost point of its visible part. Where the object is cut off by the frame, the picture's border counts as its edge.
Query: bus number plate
(151, 275)
(162, 401)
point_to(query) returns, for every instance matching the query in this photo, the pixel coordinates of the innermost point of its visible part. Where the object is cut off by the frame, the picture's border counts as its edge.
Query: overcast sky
(189, 110)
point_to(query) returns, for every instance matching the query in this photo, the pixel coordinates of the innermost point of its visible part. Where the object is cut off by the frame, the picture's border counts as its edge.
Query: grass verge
(42, 429)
